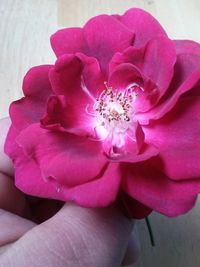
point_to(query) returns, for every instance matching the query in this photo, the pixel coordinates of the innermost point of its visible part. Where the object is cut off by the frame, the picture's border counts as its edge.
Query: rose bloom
(117, 116)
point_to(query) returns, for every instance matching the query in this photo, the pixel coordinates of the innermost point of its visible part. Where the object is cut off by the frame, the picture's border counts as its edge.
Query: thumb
(74, 237)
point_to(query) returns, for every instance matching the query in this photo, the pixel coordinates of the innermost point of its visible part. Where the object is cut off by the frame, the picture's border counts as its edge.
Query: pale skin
(67, 235)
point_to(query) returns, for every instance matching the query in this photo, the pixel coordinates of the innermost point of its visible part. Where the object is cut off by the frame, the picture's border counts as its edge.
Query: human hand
(36, 232)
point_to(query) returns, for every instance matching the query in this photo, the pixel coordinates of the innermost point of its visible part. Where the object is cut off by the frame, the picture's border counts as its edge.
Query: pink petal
(153, 189)
(65, 77)
(187, 47)
(100, 192)
(94, 40)
(147, 152)
(145, 26)
(69, 159)
(131, 207)
(133, 143)
(155, 60)
(186, 77)
(126, 74)
(123, 75)
(92, 76)
(78, 77)
(178, 140)
(28, 177)
(168, 103)
(68, 41)
(37, 88)
(10, 147)
(105, 36)
(36, 82)
(62, 116)
(97, 193)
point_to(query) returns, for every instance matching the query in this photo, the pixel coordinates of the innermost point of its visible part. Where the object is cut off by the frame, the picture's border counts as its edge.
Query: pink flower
(118, 114)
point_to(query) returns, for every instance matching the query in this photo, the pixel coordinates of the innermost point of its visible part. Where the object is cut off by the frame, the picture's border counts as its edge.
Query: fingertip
(133, 251)
(6, 165)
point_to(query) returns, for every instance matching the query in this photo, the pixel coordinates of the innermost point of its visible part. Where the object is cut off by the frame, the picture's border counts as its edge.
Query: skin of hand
(37, 232)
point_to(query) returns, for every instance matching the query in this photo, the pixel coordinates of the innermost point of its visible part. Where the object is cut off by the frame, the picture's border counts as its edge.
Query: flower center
(114, 111)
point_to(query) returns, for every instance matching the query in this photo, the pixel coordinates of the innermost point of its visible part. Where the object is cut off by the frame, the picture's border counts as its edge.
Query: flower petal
(153, 189)
(105, 36)
(92, 76)
(189, 86)
(155, 60)
(28, 177)
(66, 76)
(147, 152)
(131, 207)
(63, 156)
(186, 77)
(68, 41)
(37, 89)
(187, 47)
(10, 147)
(64, 117)
(78, 77)
(127, 76)
(128, 146)
(100, 192)
(145, 26)
(99, 38)
(177, 138)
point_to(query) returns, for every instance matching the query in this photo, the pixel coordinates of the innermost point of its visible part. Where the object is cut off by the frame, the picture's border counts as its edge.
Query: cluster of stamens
(115, 106)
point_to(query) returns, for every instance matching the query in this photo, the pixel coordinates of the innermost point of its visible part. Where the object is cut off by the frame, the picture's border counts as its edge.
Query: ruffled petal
(178, 140)
(186, 77)
(37, 89)
(105, 36)
(62, 182)
(69, 159)
(68, 41)
(99, 38)
(36, 82)
(65, 77)
(64, 117)
(147, 152)
(127, 76)
(187, 47)
(28, 177)
(77, 77)
(145, 26)
(167, 104)
(153, 189)
(100, 192)
(92, 77)
(124, 145)
(155, 60)
(10, 147)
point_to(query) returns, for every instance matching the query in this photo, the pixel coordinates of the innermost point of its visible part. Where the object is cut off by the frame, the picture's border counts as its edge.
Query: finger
(6, 165)
(11, 199)
(73, 237)
(133, 250)
(12, 227)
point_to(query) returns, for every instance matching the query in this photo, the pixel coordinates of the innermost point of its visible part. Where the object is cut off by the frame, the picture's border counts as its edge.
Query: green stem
(150, 231)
